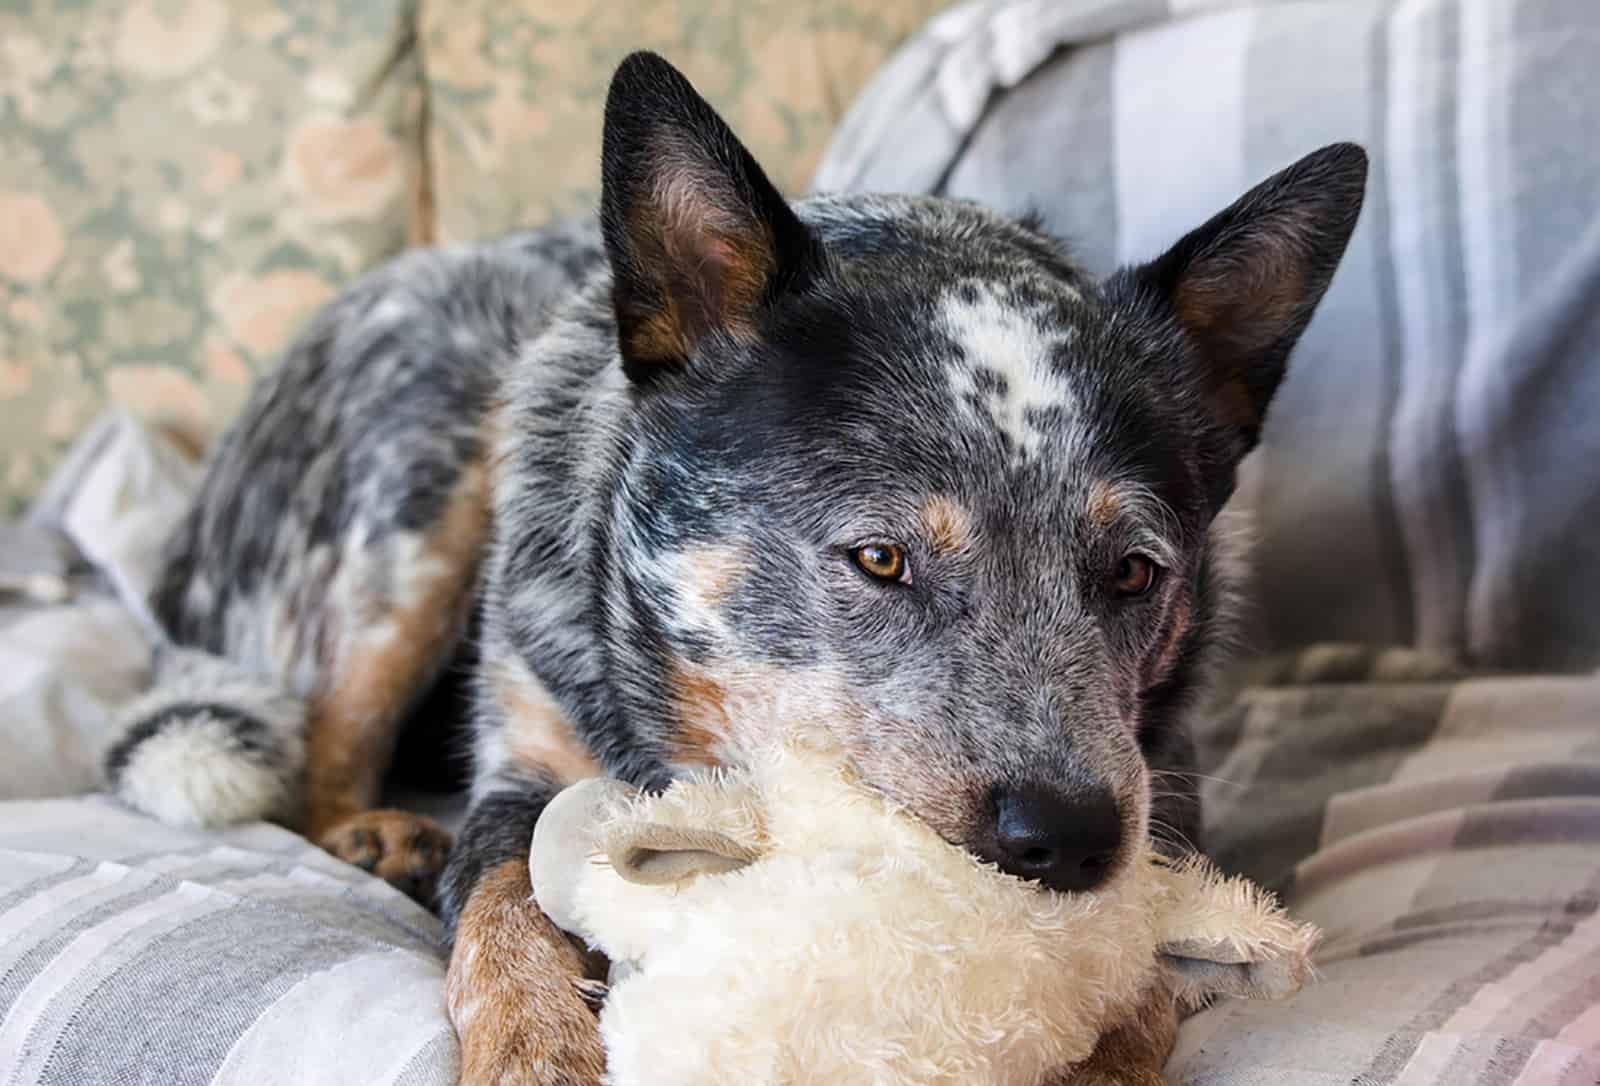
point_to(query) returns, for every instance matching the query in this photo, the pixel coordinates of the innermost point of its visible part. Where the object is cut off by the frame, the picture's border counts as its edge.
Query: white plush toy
(784, 926)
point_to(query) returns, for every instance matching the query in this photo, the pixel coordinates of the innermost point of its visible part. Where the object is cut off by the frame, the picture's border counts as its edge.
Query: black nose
(1066, 840)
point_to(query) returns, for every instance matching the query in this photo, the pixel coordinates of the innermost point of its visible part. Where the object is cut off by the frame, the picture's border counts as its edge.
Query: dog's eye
(1134, 575)
(883, 562)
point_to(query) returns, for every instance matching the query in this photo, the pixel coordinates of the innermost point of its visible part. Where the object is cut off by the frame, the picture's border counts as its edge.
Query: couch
(183, 181)
(1410, 752)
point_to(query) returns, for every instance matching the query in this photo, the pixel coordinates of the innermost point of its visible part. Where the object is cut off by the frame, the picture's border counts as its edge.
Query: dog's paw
(406, 850)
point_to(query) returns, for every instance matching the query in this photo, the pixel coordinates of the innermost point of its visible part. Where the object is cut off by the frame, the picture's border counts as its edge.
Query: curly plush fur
(786, 925)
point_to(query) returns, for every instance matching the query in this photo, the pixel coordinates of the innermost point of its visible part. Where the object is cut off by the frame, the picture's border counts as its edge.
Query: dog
(893, 463)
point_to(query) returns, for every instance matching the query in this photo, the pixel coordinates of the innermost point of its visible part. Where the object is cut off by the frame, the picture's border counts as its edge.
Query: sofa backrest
(183, 181)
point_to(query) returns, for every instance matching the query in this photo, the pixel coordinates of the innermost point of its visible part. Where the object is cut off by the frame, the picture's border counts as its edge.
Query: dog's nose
(1067, 841)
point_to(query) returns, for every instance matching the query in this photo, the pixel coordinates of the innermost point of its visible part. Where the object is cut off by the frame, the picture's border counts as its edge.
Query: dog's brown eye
(883, 561)
(1134, 575)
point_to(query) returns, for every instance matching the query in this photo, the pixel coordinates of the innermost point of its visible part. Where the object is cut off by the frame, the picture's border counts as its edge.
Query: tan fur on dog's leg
(381, 669)
(1135, 1053)
(390, 650)
(515, 994)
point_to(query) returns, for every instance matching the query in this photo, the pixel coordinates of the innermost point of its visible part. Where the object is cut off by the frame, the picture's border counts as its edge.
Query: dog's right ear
(699, 240)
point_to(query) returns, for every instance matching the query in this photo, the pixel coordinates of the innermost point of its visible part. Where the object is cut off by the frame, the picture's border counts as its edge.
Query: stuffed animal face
(785, 925)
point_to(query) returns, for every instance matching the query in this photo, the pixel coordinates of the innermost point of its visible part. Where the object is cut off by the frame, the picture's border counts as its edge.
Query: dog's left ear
(699, 240)
(1244, 285)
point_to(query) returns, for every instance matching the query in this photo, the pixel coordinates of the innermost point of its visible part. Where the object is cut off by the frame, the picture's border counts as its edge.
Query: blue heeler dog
(891, 463)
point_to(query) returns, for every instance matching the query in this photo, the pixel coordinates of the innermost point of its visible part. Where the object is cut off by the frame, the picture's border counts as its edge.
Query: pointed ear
(1244, 285)
(699, 240)
(654, 854)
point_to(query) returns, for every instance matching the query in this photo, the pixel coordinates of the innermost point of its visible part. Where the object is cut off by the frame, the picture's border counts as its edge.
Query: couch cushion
(516, 90)
(1420, 480)
(133, 953)
(180, 182)
(1450, 862)
(1443, 832)
(76, 635)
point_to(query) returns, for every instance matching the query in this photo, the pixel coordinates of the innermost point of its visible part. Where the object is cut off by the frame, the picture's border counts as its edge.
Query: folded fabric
(75, 632)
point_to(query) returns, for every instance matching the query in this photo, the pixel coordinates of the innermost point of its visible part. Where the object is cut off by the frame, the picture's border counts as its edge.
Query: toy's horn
(653, 854)
(565, 838)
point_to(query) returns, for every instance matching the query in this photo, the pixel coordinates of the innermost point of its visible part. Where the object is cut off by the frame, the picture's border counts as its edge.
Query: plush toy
(785, 926)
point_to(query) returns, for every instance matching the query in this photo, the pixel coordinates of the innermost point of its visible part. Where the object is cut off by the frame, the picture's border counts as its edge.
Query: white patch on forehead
(1010, 345)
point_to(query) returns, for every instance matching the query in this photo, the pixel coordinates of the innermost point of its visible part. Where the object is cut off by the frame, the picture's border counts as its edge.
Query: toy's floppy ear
(653, 854)
(1203, 970)
(1225, 936)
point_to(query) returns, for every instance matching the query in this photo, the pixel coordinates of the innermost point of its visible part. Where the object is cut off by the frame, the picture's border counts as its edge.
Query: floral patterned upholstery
(183, 181)
(516, 91)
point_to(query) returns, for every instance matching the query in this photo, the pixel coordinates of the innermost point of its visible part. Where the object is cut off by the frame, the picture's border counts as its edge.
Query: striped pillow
(132, 953)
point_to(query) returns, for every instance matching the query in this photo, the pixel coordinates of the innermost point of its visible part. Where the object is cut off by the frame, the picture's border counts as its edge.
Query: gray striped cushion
(1428, 476)
(1445, 834)
(134, 953)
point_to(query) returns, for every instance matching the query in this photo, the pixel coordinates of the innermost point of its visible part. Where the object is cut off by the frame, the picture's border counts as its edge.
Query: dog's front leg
(1134, 1053)
(515, 990)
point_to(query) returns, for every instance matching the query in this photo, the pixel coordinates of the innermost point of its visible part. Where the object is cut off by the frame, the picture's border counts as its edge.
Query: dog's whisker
(1166, 834)
(1190, 775)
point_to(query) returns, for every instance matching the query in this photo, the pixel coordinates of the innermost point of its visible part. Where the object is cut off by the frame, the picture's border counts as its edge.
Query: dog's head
(901, 465)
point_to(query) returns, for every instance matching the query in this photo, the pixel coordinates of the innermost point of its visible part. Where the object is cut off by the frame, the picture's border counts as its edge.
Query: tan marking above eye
(1133, 575)
(883, 562)
(1104, 504)
(947, 524)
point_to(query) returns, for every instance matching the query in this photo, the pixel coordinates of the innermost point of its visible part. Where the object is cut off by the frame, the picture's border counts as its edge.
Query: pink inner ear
(703, 261)
(1236, 307)
(1242, 304)
(715, 262)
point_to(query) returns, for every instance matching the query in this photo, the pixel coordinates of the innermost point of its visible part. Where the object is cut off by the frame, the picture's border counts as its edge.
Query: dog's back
(340, 530)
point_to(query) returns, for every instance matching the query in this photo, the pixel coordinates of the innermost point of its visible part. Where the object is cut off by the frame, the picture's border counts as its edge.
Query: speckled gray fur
(929, 356)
